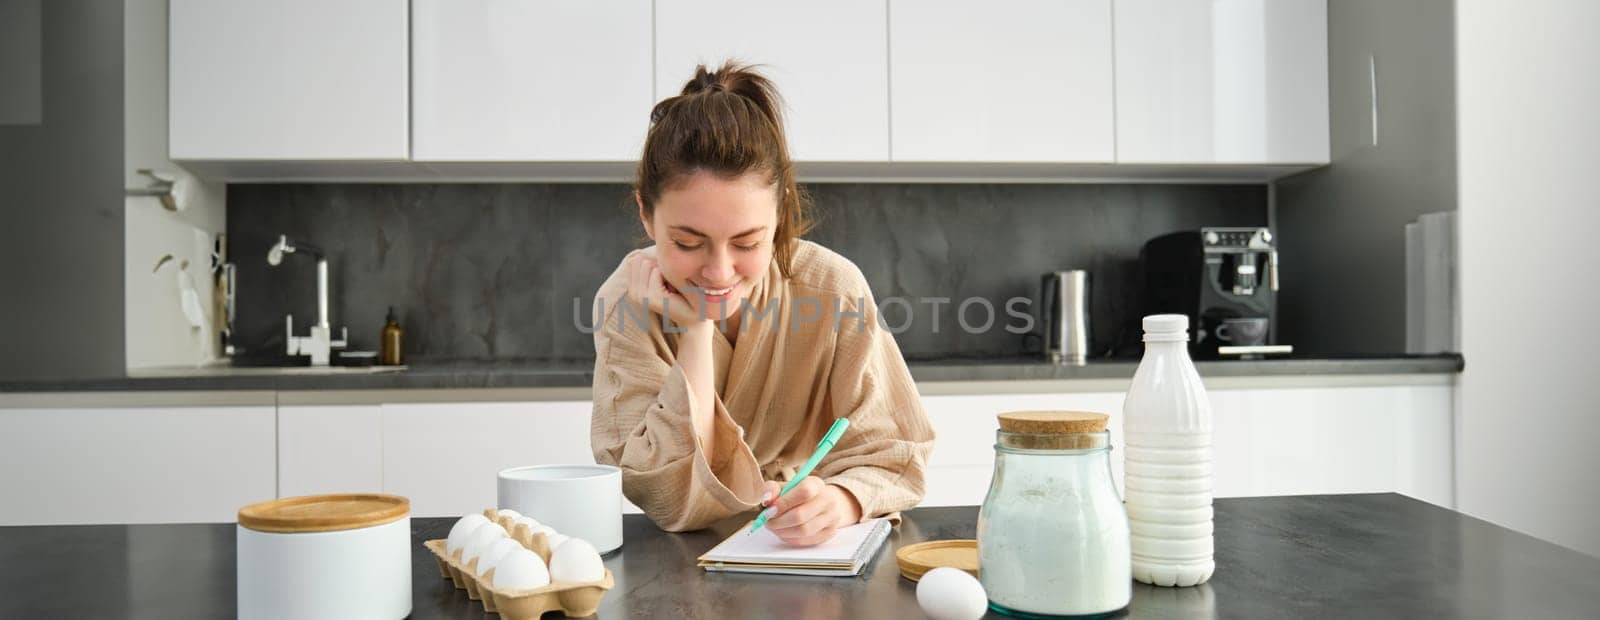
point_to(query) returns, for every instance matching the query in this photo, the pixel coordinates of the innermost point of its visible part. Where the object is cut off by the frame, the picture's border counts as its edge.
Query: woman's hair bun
(704, 80)
(734, 77)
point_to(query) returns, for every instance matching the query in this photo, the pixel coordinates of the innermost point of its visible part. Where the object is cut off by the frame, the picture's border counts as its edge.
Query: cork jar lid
(1053, 422)
(324, 513)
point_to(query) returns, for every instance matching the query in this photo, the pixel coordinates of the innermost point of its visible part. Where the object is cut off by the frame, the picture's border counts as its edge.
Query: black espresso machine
(1225, 280)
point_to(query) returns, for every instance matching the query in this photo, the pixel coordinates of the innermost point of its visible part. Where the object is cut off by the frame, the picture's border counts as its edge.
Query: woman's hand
(811, 512)
(646, 284)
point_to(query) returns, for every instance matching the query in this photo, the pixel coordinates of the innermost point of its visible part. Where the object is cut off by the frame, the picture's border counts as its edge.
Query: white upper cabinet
(1222, 81)
(509, 80)
(827, 57)
(1003, 81)
(288, 80)
(563, 89)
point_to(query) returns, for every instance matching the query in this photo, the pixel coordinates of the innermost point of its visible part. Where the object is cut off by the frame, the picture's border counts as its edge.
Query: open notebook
(762, 552)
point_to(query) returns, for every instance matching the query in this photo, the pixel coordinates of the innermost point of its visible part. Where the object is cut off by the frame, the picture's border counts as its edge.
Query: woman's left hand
(811, 512)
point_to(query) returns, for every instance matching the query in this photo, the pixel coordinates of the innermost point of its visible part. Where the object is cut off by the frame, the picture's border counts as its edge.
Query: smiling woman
(760, 340)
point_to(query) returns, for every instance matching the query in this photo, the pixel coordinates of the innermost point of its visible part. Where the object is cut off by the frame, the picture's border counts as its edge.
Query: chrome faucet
(320, 344)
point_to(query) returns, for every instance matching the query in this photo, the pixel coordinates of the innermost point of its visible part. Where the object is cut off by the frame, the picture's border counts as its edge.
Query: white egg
(521, 570)
(507, 512)
(947, 593)
(556, 539)
(528, 521)
(480, 539)
(459, 531)
(576, 561)
(496, 553)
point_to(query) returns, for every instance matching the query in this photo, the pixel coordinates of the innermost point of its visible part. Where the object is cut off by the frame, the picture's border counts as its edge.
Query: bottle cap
(391, 315)
(1166, 327)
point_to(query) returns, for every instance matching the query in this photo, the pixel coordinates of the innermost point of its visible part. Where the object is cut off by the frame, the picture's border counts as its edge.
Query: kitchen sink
(312, 370)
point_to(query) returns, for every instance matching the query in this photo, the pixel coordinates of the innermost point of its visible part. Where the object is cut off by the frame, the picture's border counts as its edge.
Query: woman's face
(714, 234)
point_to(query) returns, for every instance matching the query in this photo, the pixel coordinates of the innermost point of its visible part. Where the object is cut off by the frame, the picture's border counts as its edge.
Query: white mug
(581, 501)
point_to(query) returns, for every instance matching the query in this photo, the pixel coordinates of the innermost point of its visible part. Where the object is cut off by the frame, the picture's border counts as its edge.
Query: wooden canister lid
(1053, 422)
(324, 513)
(916, 560)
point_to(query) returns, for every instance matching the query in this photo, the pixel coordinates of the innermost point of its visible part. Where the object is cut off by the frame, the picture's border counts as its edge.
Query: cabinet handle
(1372, 83)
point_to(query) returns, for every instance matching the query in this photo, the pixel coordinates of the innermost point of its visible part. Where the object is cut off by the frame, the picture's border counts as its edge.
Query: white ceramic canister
(581, 501)
(325, 556)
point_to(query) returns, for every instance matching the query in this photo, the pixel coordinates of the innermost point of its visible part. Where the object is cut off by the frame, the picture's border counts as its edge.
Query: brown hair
(727, 122)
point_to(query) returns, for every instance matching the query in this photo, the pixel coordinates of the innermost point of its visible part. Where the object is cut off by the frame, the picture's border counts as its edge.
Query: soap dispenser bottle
(393, 338)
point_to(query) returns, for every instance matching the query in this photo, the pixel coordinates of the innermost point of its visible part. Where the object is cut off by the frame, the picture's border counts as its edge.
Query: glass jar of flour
(1052, 533)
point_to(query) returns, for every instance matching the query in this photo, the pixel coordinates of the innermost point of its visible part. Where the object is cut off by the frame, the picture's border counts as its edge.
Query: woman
(754, 341)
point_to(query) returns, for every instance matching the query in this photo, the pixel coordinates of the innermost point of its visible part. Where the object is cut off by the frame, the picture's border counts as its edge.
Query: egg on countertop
(550, 534)
(521, 569)
(480, 539)
(576, 561)
(946, 593)
(496, 553)
(459, 532)
(528, 521)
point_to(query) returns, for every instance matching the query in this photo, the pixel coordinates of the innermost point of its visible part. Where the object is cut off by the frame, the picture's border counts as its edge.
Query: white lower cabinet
(444, 456)
(963, 453)
(329, 449)
(1336, 440)
(441, 456)
(134, 464)
(201, 464)
(1286, 441)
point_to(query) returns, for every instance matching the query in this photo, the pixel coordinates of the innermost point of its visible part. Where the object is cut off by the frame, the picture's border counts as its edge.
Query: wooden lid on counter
(916, 560)
(324, 513)
(1053, 422)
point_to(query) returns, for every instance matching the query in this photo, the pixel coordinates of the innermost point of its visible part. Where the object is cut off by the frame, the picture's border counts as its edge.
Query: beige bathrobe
(777, 391)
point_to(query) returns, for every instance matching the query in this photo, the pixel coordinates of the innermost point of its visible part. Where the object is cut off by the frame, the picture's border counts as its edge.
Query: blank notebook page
(762, 546)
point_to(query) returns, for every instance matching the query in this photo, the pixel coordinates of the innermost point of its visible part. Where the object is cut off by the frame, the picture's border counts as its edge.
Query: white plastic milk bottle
(1167, 470)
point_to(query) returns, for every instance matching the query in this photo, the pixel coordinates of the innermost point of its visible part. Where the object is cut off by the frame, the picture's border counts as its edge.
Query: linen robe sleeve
(883, 457)
(641, 424)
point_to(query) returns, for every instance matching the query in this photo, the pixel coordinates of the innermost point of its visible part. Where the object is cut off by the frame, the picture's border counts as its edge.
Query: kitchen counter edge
(513, 382)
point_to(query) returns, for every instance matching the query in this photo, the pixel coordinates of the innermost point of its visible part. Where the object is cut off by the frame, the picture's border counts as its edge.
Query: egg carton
(573, 599)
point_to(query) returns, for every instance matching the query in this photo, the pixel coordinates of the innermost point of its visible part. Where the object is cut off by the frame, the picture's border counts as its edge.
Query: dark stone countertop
(1326, 556)
(580, 374)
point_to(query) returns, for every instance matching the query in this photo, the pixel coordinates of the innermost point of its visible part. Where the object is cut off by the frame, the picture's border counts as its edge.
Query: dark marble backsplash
(489, 272)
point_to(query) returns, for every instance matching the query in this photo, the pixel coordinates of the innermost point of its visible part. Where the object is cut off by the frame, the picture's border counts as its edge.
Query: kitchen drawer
(134, 464)
(330, 449)
(1291, 441)
(445, 456)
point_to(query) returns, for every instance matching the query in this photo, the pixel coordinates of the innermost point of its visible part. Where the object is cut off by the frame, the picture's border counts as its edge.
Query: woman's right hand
(646, 284)
(810, 513)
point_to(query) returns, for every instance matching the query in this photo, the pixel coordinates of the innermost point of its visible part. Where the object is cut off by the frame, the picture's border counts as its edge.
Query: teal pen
(805, 470)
